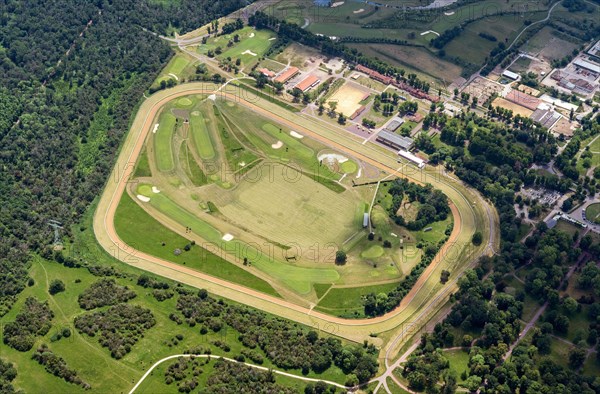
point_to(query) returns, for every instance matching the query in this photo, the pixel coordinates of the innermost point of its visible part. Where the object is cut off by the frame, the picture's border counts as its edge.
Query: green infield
(163, 142)
(300, 279)
(201, 136)
(348, 301)
(141, 231)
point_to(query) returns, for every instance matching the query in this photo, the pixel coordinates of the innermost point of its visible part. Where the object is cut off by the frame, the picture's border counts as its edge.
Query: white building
(511, 75)
(409, 156)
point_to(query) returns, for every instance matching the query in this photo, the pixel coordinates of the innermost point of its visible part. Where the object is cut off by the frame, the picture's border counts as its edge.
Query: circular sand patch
(277, 145)
(155, 190)
(251, 35)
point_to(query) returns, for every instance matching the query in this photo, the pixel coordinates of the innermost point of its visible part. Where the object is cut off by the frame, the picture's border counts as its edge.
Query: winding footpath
(426, 297)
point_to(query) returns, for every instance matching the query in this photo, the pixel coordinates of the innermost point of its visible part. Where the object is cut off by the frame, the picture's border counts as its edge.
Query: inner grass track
(471, 213)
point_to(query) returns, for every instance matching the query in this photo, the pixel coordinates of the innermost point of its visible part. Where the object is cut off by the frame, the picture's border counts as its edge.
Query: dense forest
(71, 75)
(485, 306)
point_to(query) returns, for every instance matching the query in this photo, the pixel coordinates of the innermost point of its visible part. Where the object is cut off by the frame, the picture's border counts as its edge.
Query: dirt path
(289, 375)
(355, 330)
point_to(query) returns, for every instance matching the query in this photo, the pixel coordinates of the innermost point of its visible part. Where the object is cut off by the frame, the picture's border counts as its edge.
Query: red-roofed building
(523, 99)
(267, 73)
(287, 74)
(307, 83)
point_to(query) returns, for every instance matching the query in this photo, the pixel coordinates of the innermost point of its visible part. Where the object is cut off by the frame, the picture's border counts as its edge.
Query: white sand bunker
(242, 164)
(332, 158)
(251, 35)
(174, 76)
(212, 97)
(277, 145)
(143, 198)
(227, 237)
(359, 11)
(272, 38)
(155, 190)
(337, 4)
(430, 31)
(248, 52)
(296, 135)
(155, 128)
(449, 13)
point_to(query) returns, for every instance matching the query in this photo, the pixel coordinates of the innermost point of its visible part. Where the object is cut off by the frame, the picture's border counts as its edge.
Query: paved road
(421, 300)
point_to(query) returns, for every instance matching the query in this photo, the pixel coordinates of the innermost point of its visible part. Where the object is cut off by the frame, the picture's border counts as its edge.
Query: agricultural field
(550, 44)
(418, 60)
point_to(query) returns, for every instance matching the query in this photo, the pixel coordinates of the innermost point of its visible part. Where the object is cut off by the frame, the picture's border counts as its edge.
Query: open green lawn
(459, 361)
(592, 212)
(91, 361)
(201, 137)
(163, 142)
(591, 366)
(298, 278)
(177, 69)
(347, 301)
(559, 352)
(252, 46)
(139, 230)
(142, 167)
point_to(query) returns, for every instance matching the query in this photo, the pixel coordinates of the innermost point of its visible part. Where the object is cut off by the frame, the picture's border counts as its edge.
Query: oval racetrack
(470, 212)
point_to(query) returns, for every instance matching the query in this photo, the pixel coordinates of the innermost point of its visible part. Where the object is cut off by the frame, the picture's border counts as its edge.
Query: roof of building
(394, 124)
(411, 157)
(307, 83)
(398, 140)
(510, 74)
(286, 74)
(587, 65)
(523, 99)
(266, 72)
(546, 117)
(365, 219)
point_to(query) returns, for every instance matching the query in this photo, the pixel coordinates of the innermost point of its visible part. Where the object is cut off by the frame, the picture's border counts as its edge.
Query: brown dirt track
(356, 330)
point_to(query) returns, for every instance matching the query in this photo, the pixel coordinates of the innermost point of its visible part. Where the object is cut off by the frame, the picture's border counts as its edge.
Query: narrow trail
(289, 375)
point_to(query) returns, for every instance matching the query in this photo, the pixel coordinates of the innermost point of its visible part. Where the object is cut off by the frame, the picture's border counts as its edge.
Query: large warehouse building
(394, 140)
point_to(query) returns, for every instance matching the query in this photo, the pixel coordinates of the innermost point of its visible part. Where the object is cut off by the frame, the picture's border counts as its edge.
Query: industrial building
(587, 65)
(394, 140)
